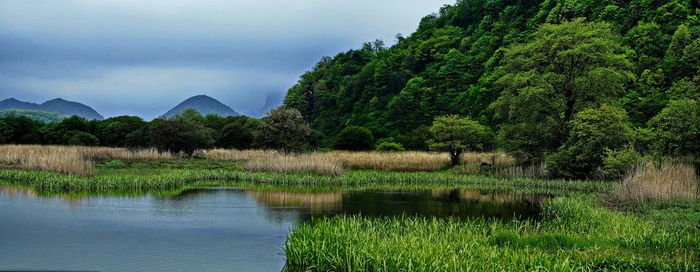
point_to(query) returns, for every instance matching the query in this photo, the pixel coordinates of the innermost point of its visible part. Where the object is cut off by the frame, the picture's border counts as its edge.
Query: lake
(206, 229)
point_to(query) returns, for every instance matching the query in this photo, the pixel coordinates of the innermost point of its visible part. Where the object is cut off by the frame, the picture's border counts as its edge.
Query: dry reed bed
(667, 181)
(73, 160)
(337, 162)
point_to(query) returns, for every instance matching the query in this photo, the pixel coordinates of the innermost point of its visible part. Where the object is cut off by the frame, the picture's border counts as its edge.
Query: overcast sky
(141, 57)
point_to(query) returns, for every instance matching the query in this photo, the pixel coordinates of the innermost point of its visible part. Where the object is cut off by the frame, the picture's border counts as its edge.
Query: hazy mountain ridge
(59, 106)
(203, 104)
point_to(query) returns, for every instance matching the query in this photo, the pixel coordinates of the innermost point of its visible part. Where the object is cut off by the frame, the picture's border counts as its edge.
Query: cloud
(142, 57)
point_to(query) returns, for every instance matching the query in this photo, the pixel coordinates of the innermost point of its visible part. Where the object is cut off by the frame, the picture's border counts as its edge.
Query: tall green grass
(175, 178)
(574, 235)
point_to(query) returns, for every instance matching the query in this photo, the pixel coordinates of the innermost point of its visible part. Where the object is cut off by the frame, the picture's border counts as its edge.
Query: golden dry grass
(337, 162)
(668, 181)
(73, 160)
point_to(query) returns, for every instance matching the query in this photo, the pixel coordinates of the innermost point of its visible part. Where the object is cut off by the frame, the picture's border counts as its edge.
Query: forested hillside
(524, 68)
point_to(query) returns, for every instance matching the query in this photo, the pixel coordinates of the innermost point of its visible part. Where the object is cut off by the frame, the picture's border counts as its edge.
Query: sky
(142, 57)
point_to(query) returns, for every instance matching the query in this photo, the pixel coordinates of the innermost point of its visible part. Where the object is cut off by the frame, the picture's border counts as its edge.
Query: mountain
(59, 106)
(204, 104)
(454, 64)
(272, 100)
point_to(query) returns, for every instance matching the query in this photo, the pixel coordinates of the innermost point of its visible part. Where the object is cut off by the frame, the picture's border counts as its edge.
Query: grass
(72, 160)
(667, 181)
(159, 179)
(575, 235)
(337, 162)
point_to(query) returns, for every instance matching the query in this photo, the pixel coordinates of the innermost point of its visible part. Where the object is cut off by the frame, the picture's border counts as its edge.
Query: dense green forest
(526, 69)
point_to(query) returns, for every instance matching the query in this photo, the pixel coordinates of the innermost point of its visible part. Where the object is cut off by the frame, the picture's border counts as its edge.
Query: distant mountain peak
(204, 104)
(57, 105)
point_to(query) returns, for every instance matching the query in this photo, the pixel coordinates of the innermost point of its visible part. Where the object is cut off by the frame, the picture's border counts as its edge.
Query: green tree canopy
(183, 132)
(284, 130)
(455, 134)
(593, 131)
(564, 69)
(677, 128)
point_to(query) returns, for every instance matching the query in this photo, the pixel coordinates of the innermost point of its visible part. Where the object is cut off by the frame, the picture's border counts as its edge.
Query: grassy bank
(157, 179)
(575, 235)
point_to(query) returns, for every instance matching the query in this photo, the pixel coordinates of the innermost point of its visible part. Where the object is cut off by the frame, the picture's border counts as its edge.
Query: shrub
(617, 163)
(114, 164)
(354, 138)
(390, 146)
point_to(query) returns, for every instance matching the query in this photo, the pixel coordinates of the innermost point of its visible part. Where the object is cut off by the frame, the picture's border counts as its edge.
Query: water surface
(205, 229)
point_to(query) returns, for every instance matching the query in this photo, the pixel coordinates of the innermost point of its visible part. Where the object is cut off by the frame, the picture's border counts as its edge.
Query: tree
(565, 68)
(354, 138)
(455, 134)
(113, 131)
(83, 139)
(181, 133)
(677, 128)
(5, 132)
(284, 130)
(593, 131)
(239, 133)
(673, 61)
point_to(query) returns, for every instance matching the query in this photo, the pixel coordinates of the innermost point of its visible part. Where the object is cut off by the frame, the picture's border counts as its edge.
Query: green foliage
(183, 133)
(677, 128)
(389, 146)
(83, 139)
(617, 163)
(565, 68)
(592, 132)
(113, 131)
(238, 133)
(354, 138)
(455, 134)
(284, 130)
(41, 116)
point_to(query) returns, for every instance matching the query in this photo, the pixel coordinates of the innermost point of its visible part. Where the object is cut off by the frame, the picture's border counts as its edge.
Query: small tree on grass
(284, 130)
(455, 134)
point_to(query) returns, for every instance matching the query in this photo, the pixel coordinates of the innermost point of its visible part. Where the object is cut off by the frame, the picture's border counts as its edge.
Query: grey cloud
(141, 57)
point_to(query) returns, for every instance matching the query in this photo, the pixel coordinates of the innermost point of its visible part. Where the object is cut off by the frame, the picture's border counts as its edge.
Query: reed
(575, 235)
(651, 182)
(72, 160)
(336, 162)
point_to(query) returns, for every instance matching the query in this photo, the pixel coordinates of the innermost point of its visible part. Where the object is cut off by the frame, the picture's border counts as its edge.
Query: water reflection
(206, 229)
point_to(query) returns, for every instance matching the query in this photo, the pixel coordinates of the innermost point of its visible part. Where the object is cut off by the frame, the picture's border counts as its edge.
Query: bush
(114, 164)
(617, 163)
(390, 146)
(354, 138)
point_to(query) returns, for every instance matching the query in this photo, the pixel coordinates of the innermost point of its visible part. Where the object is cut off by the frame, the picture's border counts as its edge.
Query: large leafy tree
(455, 134)
(354, 138)
(564, 69)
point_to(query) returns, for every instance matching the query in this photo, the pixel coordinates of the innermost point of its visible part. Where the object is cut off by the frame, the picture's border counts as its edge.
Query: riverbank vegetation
(574, 235)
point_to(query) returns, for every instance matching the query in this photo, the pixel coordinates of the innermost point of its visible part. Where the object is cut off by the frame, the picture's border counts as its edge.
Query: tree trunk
(455, 156)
